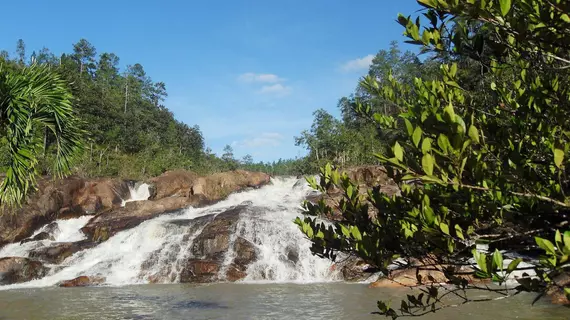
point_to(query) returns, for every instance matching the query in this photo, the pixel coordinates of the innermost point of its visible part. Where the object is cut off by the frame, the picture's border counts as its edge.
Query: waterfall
(137, 193)
(161, 249)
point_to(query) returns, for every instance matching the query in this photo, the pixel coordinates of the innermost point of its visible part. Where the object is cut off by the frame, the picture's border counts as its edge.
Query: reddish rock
(59, 199)
(82, 281)
(18, 269)
(58, 252)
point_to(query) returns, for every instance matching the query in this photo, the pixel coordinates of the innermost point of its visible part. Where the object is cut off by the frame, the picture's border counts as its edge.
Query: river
(243, 301)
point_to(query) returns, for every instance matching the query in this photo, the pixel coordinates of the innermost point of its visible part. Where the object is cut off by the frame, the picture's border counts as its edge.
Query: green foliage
(473, 150)
(34, 100)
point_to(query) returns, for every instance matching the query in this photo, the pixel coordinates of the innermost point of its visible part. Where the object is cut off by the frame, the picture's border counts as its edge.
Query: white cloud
(267, 139)
(276, 89)
(260, 77)
(358, 64)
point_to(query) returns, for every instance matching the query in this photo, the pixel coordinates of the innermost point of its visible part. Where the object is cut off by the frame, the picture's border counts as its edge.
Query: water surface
(244, 301)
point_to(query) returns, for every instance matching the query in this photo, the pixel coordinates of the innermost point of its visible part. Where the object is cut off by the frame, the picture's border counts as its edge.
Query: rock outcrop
(205, 258)
(82, 281)
(59, 199)
(172, 191)
(18, 269)
(212, 187)
(556, 292)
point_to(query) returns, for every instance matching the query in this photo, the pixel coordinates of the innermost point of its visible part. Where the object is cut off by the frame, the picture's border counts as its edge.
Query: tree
(34, 98)
(21, 51)
(84, 54)
(468, 171)
(247, 159)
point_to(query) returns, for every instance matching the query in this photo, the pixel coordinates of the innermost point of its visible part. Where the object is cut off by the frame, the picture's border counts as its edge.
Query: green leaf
(356, 233)
(513, 265)
(409, 126)
(427, 164)
(545, 245)
(473, 133)
(558, 157)
(565, 17)
(398, 152)
(505, 7)
(426, 145)
(444, 228)
(498, 259)
(459, 232)
(567, 239)
(449, 113)
(443, 143)
(417, 135)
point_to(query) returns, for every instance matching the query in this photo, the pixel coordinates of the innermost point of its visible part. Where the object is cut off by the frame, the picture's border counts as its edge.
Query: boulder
(58, 252)
(38, 237)
(213, 187)
(82, 281)
(59, 199)
(18, 269)
(101, 193)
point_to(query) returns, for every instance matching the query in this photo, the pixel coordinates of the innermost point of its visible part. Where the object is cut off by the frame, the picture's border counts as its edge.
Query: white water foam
(138, 193)
(121, 258)
(68, 230)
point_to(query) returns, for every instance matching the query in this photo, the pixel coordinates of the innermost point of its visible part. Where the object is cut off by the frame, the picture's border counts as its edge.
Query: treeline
(128, 130)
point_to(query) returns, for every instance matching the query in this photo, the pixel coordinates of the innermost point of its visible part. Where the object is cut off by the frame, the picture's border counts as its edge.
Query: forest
(127, 130)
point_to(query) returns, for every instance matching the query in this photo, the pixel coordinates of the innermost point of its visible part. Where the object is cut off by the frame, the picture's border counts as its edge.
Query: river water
(244, 301)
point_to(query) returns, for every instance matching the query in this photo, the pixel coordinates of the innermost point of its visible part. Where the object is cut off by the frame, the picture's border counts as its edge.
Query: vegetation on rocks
(479, 149)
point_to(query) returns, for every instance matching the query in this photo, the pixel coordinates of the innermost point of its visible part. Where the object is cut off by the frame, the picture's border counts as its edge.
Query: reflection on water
(243, 301)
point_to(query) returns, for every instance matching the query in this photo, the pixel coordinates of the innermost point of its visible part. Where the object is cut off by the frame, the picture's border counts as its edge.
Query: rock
(213, 187)
(208, 251)
(108, 223)
(172, 183)
(101, 193)
(556, 292)
(59, 199)
(173, 190)
(58, 252)
(354, 269)
(18, 269)
(430, 274)
(82, 281)
(38, 237)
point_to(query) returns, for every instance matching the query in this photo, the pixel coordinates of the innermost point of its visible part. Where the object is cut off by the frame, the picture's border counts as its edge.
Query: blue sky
(248, 72)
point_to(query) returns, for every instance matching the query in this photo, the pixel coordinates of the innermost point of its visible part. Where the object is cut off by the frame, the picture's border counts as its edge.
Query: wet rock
(82, 281)
(38, 237)
(108, 223)
(18, 269)
(292, 254)
(556, 292)
(199, 271)
(208, 251)
(58, 252)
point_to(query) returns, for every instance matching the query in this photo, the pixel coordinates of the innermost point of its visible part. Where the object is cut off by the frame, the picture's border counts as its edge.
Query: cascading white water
(158, 246)
(61, 231)
(138, 193)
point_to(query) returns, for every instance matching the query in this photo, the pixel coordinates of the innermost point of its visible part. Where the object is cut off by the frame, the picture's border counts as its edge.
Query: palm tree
(34, 99)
